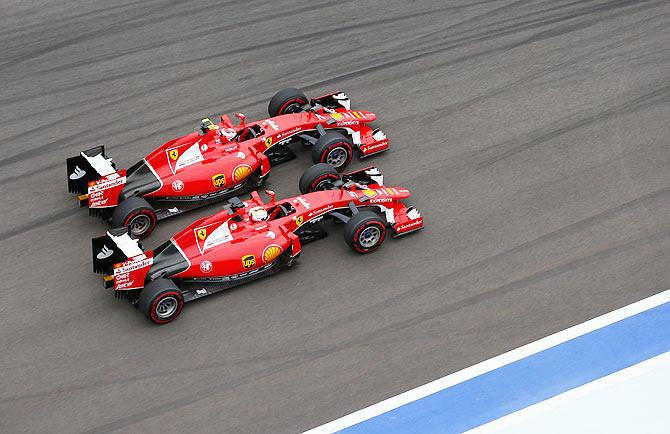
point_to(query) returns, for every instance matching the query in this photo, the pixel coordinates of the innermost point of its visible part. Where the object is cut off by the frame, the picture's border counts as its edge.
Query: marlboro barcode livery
(221, 160)
(251, 239)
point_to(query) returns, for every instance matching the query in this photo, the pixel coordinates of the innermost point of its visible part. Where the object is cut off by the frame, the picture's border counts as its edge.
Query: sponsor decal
(298, 220)
(219, 180)
(381, 200)
(375, 146)
(205, 266)
(352, 194)
(105, 252)
(173, 210)
(271, 253)
(78, 173)
(369, 193)
(320, 211)
(201, 233)
(204, 147)
(270, 235)
(177, 185)
(233, 226)
(124, 273)
(303, 202)
(410, 225)
(336, 116)
(268, 142)
(348, 123)
(241, 172)
(248, 261)
(273, 124)
(201, 291)
(174, 154)
(294, 130)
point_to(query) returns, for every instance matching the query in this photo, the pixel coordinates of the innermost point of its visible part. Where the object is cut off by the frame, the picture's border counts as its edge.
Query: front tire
(161, 301)
(136, 214)
(365, 232)
(286, 101)
(333, 148)
(318, 177)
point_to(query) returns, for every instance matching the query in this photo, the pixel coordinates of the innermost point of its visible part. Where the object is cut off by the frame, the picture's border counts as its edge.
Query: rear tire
(161, 301)
(136, 214)
(333, 148)
(318, 177)
(365, 232)
(286, 101)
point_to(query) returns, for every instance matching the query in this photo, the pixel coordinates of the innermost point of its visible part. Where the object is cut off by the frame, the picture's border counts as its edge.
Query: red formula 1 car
(251, 239)
(221, 160)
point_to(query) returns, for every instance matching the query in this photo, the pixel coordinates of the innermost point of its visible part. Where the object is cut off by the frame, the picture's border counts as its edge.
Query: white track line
(618, 377)
(492, 364)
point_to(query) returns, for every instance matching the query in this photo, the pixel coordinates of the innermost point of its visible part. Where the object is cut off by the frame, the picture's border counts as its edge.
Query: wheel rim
(369, 237)
(337, 156)
(292, 108)
(166, 307)
(140, 224)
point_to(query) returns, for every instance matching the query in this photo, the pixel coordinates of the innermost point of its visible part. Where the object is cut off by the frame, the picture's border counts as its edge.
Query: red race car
(221, 160)
(251, 239)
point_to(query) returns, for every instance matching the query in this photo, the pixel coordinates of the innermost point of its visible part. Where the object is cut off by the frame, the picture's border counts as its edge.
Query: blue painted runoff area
(530, 380)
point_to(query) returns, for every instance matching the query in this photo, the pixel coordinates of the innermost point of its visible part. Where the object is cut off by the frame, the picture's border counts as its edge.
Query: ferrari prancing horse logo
(298, 220)
(268, 142)
(174, 154)
(202, 234)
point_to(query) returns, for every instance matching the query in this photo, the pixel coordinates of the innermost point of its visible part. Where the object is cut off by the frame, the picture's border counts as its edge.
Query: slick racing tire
(161, 301)
(318, 177)
(287, 101)
(365, 232)
(333, 148)
(135, 213)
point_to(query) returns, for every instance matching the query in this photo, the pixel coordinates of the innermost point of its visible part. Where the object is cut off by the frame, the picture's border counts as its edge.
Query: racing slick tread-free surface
(533, 135)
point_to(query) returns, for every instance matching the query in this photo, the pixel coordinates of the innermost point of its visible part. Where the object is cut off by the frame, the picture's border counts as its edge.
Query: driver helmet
(228, 133)
(258, 214)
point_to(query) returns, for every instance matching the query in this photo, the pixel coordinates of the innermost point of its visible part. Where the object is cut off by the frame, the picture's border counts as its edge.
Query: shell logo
(271, 253)
(369, 193)
(241, 172)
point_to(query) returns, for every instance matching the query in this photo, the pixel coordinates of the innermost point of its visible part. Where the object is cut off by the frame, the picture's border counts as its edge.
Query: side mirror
(272, 195)
(241, 117)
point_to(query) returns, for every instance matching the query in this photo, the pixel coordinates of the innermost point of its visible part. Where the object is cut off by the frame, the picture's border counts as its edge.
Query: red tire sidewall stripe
(179, 297)
(321, 178)
(342, 144)
(289, 102)
(147, 212)
(362, 228)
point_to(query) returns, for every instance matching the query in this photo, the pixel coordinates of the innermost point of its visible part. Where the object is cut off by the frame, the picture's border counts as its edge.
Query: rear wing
(93, 176)
(121, 259)
(88, 166)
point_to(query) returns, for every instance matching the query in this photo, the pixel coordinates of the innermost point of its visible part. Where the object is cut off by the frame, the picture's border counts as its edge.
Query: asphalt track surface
(534, 135)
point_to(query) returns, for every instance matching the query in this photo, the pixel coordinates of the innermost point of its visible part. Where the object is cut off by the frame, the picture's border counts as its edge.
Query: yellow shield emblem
(271, 253)
(174, 154)
(241, 172)
(202, 234)
(268, 141)
(336, 116)
(298, 220)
